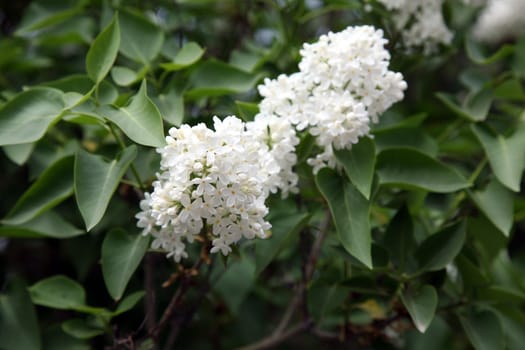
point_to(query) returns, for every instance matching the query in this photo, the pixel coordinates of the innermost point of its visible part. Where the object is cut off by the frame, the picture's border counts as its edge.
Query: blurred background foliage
(453, 257)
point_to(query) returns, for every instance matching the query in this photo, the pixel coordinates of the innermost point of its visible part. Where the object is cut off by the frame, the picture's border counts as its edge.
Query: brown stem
(149, 284)
(277, 339)
(176, 300)
(299, 299)
(188, 315)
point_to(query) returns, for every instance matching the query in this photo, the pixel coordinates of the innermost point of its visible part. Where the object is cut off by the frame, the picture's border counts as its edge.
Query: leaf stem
(280, 333)
(122, 145)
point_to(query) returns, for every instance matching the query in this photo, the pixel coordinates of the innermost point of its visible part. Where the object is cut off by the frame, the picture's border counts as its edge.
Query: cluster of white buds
(211, 183)
(215, 182)
(343, 85)
(500, 20)
(420, 22)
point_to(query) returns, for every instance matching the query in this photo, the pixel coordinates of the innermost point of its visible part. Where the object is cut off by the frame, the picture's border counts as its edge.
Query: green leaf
(405, 137)
(359, 163)
(123, 76)
(421, 306)
(54, 338)
(489, 239)
(475, 107)
(58, 292)
(476, 52)
(499, 294)
(18, 321)
(236, 282)
(484, 330)
(20, 153)
(103, 51)
(506, 155)
(215, 78)
(350, 211)
(140, 120)
(27, 117)
(324, 299)
(247, 111)
(53, 186)
(48, 224)
(80, 329)
(72, 83)
(399, 238)
(44, 14)
(512, 320)
(189, 54)
(96, 180)
(496, 202)
(410, 168)
(171, 106)
(284, 227)
(141, 40)
(439, 249)
(121, 255)
(128, 303)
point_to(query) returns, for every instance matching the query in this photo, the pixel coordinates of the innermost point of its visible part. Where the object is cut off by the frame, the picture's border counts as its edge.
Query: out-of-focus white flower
(209, 181)
(343, 84)
(474, 2)
(420, 22)
(500, 20)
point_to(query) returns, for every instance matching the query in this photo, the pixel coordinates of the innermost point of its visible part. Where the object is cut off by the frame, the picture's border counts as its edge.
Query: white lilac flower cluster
(421, 23)
(343, 85)
(500, 20)
(216, 179)
(216, 182)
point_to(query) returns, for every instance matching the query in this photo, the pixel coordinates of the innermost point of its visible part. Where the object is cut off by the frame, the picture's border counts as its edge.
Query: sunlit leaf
(141, 40)
(103, 51)
(27, 117)
(189, 54)
(19, 153)
(506, 155)
(171, 106)
(140, 120)
(124, 76)
(214, 78)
